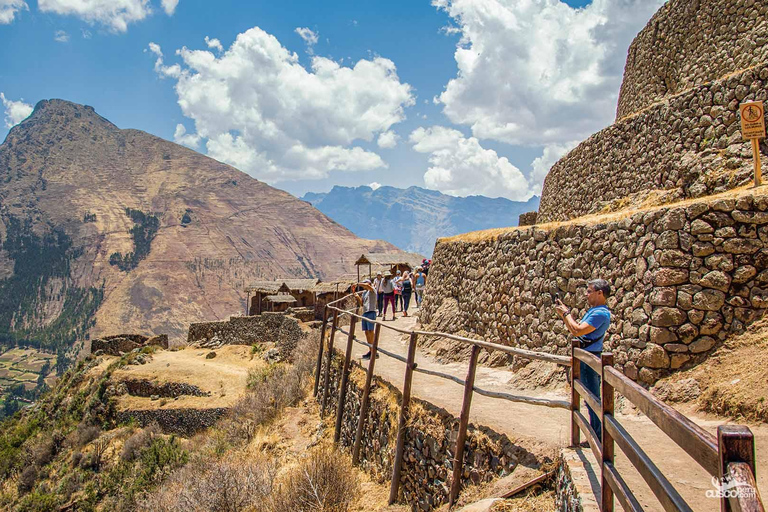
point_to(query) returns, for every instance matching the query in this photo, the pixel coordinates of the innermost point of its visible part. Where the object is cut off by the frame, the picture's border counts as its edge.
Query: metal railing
(412, 367)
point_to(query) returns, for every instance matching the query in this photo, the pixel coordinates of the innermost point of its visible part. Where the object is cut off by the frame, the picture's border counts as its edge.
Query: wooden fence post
(735, 443)
(575, 400)
(344, 380)
(366, 393)
(458, 464)
(320, 351)
(607, 397)
(329, 359)
(406, 400)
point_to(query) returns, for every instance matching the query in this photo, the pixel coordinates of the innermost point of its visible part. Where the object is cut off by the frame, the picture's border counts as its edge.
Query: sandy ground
(225, 376)
(540, 429)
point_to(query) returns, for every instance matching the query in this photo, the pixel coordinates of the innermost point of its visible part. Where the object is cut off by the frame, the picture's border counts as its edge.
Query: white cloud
(169, 6)
(61, 36)
(460, 166)
(538, 71)
(541, 165)
(214, 43)
(15, 111)
(161, 69)
(309, 37)
(86, 34)
(375, 185)
(9, 8)
(115, 14)
(387, 139)
(180, 136)
(260, 110)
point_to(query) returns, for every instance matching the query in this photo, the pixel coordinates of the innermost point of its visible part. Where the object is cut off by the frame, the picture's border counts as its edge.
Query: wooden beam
(735, 443)
(575, 398)
(458, 463)
(401, 425)
(606, 397)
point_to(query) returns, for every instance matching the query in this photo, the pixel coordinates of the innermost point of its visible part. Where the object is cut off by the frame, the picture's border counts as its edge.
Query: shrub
(137, 442)
(27, 479)
(38, 502)
(158, 460)
(324, 481)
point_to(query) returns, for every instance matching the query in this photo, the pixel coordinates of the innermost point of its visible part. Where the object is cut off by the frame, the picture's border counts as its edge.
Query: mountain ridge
(71, 179)
(413, 218)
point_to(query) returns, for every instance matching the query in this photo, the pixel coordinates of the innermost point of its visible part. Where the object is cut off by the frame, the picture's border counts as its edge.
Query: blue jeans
(591, 381)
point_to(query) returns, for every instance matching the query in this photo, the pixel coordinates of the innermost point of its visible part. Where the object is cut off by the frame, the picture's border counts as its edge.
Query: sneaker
(367, 356)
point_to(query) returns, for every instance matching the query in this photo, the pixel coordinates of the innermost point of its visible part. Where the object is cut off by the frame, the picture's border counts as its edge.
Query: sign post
(753, 129)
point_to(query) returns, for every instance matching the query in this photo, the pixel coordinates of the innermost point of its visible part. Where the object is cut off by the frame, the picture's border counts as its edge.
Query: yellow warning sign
(752, 120)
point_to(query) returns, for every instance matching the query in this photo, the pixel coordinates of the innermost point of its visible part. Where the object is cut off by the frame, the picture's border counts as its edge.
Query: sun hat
(398, 272)
(387, 273)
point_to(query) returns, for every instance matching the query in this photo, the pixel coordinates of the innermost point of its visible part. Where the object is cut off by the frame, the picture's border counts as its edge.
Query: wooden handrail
(620, 489)
(746, 497)
(697, 442)
(591, 435)
(588, 358)
(592, 400)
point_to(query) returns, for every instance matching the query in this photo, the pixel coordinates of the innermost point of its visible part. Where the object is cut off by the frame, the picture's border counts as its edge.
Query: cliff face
(414, 218)
(107, 230)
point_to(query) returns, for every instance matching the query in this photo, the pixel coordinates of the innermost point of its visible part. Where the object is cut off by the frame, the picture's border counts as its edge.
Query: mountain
(414, 218)
(105, 230)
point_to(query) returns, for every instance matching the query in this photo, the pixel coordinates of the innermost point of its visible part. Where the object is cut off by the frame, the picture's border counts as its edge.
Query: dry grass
(645, 206)
(544, 502)
(732, 380)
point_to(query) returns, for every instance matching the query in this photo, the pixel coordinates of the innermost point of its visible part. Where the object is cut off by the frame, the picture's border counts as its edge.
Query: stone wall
(690, 144)
(430, 440)
(184, 422)
(276, 328)
(689, 43)
(684, 278)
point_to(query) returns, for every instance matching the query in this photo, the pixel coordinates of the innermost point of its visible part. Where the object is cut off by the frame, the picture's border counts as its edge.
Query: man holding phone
(591, 331)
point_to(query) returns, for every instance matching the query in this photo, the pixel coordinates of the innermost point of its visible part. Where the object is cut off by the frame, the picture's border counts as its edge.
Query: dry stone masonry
(691, 42)
(683, 278)
(283, 330)
(677, 126)
(430, 440)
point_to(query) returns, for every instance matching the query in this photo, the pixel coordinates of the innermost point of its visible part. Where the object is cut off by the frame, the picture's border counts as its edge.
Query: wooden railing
(411, 367)
(730, 457)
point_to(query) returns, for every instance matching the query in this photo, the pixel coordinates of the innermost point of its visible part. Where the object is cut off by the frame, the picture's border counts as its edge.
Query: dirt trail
(540, 429)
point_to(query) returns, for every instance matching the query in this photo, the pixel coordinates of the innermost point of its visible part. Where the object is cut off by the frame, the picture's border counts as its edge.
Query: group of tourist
(390, 290)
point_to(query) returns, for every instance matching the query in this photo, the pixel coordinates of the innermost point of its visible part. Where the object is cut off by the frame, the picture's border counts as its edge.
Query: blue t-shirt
(598, 317)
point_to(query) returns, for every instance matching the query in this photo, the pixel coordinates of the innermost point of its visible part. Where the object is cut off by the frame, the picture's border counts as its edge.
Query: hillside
(105, 230)
(414, 218)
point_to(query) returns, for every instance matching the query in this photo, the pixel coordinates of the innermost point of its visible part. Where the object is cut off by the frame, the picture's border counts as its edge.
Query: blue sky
(492, 132)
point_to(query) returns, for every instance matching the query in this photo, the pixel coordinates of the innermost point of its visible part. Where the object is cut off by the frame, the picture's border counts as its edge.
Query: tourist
(407, 289)
(368, 301)
(379, 295)
(590, 332)
(421, 282)
(398, 291)
(388, 290)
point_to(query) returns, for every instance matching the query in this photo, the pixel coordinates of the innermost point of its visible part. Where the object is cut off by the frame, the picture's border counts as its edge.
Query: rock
(666, 317)
(702, 344)
(715, 279)
(678, 360)
(660, 336)
(161, 340)
(743, 274)
(670, 276)
(684, 390)
(663, 297)
(699, 227)
(272, 355)
(210, 355)
(750, 217)
(154, 397)
(709, 300)
(742, 246)
(653, 356)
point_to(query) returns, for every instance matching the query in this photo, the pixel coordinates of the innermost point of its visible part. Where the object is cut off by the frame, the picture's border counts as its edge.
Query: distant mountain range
(414, 218)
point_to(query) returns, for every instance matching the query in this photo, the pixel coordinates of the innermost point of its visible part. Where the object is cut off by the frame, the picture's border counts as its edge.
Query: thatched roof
(298, 285)
(388, 259)
(279, 298)
(334, 286)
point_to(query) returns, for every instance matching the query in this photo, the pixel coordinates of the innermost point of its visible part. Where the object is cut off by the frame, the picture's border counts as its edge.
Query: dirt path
(540, 429)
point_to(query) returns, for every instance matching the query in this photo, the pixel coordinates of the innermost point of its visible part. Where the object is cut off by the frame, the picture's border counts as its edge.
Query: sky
(468, 97)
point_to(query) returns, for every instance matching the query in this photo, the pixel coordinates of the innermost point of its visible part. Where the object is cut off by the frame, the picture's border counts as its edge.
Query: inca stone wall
(430, 440)
(692, 42)
(684, 278)
(277, 328)
(690, 144)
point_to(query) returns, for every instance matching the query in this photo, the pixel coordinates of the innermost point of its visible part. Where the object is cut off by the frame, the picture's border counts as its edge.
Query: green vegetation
(143, 232)
(89, 217)
(39, 260)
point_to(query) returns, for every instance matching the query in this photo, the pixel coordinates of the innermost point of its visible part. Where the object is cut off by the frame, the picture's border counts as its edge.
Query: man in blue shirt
(591, 332)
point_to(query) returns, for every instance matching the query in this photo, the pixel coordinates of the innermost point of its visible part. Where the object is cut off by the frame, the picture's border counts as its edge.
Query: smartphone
(557, 297)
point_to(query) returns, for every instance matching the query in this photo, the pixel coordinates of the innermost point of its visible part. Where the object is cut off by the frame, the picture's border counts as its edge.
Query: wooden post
(758, 165)
(458, 464)
(366, 392)
(735, 443)
(344, 381)
(329, 359)
(320, 350)
(575, 400)
(606, 395)
(406, 400)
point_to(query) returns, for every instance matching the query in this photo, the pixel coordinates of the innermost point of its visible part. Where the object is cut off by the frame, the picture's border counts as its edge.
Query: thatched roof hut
(379, 262)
